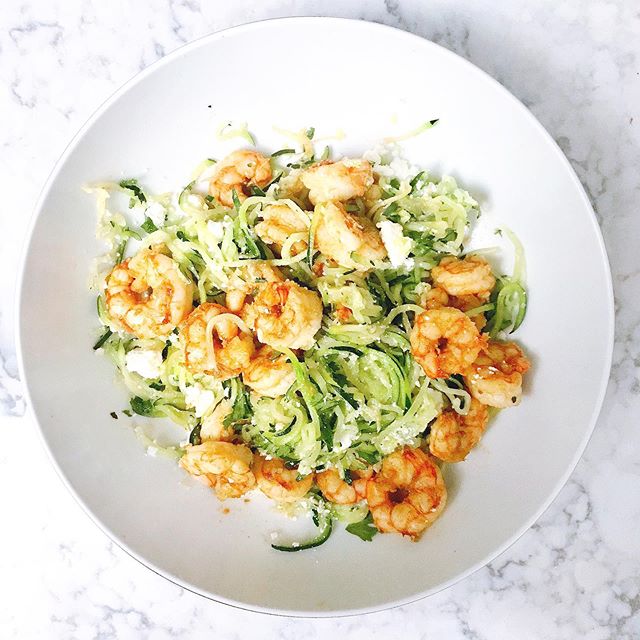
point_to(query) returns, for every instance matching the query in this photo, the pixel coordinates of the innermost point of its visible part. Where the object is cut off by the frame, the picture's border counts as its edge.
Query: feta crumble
(199, 398)
(144, 362)
(217, 228)
(387, 161)
(398, 246)
(156, 213)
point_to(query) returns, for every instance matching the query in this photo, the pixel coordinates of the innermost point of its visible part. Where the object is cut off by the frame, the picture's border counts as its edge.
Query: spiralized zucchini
(358, 394)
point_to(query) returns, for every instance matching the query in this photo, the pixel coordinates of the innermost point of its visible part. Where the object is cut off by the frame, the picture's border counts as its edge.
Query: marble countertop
(576, 573)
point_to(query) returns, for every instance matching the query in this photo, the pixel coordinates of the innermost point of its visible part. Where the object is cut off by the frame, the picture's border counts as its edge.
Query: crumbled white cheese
(345, 435)
(156, 213)
(304, 468)
(199, 398)
(274, 535)
(216, 229)
(398, 246)
(387, 161)
(144, 362)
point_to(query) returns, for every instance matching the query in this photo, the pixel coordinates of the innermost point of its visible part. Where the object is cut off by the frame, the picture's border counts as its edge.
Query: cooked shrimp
(453, 436)
(245, 282)
(238, 171)
(278, 482)
(278, 223)
(408, 494)
(338, 181)
(285, 315)
(436, 298)
(351, 241)
(224, 466)
(216, 342)
(269, 373)
(470, 276)
(213, 427)
(147, 295)
(337, 490)
(495, 377)
(444, 341)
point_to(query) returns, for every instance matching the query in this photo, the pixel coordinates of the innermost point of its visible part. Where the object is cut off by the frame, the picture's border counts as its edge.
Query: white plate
(360, 78)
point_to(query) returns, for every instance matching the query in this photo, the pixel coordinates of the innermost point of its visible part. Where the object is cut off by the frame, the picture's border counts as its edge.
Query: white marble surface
(576, 65)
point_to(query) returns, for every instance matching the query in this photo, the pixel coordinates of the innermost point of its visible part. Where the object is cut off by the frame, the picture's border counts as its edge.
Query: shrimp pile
(316, 327)
(147, 295)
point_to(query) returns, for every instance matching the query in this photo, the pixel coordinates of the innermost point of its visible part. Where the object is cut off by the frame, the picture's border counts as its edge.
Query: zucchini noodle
(356, 394)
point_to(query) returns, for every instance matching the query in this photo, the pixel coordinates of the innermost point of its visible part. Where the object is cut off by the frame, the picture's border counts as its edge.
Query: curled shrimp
(338, 181)
(444, 341)
(470, 276)
(224, 466)
(269, 373)
(246, 281)
(285, 315)
(278, 482)
(279, 222)
(337, 490)
(452, 435)
(147, 295)
(495, 377)
(213, 427)
(237, 172)
(436, 298)
(351, 241)
(408, 494)
(216, 342)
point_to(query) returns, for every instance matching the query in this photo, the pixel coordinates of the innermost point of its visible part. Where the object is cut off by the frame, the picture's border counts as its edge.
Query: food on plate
(318, 328)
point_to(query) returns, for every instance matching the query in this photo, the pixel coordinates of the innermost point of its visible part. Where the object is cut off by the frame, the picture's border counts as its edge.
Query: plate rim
(419, 41)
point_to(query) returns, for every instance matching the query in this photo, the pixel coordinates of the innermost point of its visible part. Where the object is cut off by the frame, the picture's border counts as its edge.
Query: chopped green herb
(241, 408)
(181, 236)
(132, 185)
(114, 415)
(127, 413)
(158, 386)
(365, 529)
(149, 225)
(141, 406)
